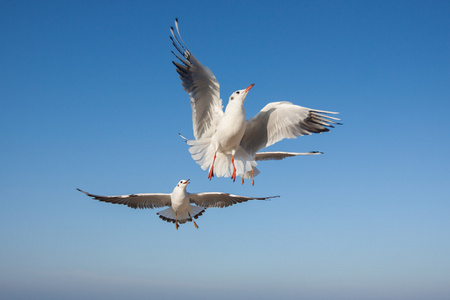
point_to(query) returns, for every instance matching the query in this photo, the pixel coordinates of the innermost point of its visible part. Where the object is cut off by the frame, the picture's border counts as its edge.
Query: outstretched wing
(135, 200)
(279, 155)
(220, 199)
(202, 86)
(283, 120)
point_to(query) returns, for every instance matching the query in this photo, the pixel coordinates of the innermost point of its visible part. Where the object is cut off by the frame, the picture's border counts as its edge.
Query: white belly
(180, 201)
(229, 132)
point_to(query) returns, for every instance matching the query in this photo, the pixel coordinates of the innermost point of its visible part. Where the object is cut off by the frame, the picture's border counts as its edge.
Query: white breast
(231, 128)
(180, 199)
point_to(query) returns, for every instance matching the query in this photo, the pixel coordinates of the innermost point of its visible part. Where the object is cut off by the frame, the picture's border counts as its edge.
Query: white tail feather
(202, 152)
(249, 175)
(168, 214)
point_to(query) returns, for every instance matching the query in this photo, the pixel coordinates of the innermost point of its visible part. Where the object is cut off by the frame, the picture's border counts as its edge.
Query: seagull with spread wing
(179, 201)
(225, 142)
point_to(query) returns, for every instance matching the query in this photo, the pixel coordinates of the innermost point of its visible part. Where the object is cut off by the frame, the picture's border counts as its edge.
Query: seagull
(180, 210)
(225, 142)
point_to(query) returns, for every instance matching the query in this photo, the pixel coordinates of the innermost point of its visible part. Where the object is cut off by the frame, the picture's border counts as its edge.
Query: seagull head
(183, 183)
(240, 94)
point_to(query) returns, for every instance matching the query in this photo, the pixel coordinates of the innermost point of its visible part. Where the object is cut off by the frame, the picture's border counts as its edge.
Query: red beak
(248, 89)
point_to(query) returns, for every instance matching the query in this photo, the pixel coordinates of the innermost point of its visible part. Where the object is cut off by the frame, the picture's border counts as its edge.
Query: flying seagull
(225, 142)
(180, 210)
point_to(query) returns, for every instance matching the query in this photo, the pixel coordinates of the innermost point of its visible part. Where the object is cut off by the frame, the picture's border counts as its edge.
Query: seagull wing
(202, 86)
(278, 155)
(220, 199)
(135, 200)
(283, 120)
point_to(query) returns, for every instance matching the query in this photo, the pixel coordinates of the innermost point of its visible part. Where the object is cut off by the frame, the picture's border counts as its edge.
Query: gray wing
(135, 200)
(202, 86)
(279, 155)
(283, 120)
(220, 199)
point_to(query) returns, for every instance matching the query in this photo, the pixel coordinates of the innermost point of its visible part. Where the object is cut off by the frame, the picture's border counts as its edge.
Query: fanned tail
(168, 214)
(202, 152)
(196, 211)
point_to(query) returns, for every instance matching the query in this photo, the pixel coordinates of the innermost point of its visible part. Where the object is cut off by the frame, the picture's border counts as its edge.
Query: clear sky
(90, 99)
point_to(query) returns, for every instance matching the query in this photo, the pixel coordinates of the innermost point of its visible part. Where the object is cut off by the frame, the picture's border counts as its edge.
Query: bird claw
(211, 173)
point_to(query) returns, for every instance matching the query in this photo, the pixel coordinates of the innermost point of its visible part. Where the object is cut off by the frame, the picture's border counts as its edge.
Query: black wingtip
(185, 139)
(271, 197)
(176, 20)
(82, 191)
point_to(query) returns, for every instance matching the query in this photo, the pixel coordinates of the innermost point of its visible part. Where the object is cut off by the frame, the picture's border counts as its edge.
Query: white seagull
(225, 142)
(180, 210)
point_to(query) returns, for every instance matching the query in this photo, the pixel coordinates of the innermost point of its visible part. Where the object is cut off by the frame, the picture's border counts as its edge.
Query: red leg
(253, 179)
(234, 169)
(211, 170)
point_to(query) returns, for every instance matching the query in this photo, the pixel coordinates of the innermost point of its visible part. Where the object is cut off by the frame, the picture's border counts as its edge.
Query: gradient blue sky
(90, 99)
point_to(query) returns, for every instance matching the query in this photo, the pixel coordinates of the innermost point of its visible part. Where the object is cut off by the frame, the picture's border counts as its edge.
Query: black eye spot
(231, 98)
(237, 92)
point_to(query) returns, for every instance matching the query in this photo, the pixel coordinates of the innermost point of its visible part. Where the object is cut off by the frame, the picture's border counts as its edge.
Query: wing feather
(135, 200)
(201, 85)
(220, 199)
(284, 120)
(279, 155)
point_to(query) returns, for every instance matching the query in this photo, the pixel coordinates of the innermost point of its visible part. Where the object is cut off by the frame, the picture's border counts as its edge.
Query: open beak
(187, 181)
(248, 89)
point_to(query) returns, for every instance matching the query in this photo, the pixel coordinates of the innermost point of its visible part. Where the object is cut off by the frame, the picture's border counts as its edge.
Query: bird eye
(237, 92)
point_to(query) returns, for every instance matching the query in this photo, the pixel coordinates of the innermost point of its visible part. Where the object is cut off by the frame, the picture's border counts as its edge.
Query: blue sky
(90, 99)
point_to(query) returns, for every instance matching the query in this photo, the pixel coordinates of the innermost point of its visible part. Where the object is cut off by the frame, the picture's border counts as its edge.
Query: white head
(240, 95)
(183, 184)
